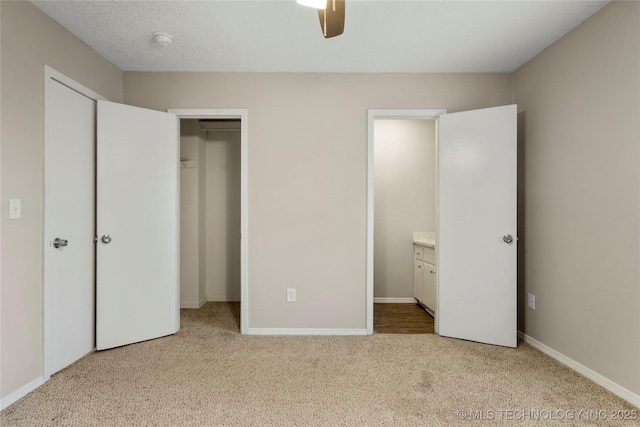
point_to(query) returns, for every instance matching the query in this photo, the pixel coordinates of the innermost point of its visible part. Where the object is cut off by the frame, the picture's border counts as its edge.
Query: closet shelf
(184, 163)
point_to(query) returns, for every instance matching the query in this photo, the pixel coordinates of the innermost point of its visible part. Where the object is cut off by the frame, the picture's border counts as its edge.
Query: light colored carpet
(210, 375)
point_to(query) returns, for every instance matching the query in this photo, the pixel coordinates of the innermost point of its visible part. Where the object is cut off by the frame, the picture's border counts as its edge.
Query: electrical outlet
(531, 301)
(291, 294)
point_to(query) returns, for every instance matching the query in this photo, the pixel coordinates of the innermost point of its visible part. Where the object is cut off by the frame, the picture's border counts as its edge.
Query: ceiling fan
(331, 14)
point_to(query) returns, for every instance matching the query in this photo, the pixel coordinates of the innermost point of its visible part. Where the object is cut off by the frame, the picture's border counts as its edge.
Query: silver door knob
(508, 238)
(59, 243)
(106, 239)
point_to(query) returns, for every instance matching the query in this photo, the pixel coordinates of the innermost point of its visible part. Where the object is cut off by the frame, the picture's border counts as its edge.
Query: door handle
(59, 243)
(106, 239)
(508, 238)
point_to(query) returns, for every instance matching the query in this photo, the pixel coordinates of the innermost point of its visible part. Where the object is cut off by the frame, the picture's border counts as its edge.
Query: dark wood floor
(401, 319)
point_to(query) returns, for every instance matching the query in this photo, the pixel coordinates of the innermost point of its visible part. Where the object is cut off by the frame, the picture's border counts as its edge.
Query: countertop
(427, 238)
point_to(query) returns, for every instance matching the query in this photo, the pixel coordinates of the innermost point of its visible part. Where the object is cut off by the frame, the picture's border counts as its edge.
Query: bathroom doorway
(404, 204)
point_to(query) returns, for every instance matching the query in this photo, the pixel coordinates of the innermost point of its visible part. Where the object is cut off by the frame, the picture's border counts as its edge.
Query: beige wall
(190, 235)
(307, 173)
(405, 200)
(222, 200)
(579, 103)
(30, 40)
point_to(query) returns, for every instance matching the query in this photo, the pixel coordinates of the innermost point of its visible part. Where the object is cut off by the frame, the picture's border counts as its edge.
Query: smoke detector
(163, 39)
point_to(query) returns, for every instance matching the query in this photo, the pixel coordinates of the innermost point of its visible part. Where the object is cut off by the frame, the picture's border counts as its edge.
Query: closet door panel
(69, 215)
(137, 275)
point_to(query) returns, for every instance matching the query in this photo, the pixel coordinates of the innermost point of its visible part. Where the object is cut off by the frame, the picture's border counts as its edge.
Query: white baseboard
(613, 387)
(190, 305)
(394, 300)
(194, 304)
(20, 393)
(305, 331)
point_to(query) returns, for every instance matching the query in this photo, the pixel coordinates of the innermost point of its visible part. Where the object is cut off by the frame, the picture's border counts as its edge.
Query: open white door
(477, 254)
(137, 274)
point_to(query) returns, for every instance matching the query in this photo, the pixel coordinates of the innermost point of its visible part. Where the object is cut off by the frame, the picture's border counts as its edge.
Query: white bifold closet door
(477, 244)
(137, 275)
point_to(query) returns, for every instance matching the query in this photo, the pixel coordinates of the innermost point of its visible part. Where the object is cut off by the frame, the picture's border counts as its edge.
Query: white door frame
(242, 114)
(372, 116)
(49, 75)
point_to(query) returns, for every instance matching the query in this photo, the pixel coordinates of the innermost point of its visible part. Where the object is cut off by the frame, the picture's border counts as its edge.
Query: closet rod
(220, 130)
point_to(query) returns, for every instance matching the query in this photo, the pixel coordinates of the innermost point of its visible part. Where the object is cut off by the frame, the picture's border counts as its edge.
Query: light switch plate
(531, 301)
(291, 294)
(15, 209)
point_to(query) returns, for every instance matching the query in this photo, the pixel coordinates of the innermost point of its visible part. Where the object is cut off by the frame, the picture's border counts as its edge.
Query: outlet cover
(291, 294)
(531, 302)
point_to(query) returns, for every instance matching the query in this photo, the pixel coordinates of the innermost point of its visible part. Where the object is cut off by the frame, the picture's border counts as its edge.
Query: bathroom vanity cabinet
(424, 276)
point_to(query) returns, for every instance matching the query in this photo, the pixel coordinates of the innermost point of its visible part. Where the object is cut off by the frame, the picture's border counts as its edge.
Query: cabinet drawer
(418, 252)
(429, 255)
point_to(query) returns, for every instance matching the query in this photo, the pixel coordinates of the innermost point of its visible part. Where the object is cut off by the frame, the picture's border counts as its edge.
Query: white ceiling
(282, 36)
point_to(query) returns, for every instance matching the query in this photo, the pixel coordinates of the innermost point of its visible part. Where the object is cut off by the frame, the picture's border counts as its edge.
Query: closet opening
(211, 214)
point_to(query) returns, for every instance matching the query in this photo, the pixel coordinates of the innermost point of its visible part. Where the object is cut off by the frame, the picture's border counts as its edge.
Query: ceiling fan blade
(332, 18)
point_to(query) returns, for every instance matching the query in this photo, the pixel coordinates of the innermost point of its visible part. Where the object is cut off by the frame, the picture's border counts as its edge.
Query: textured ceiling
(270, 36)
